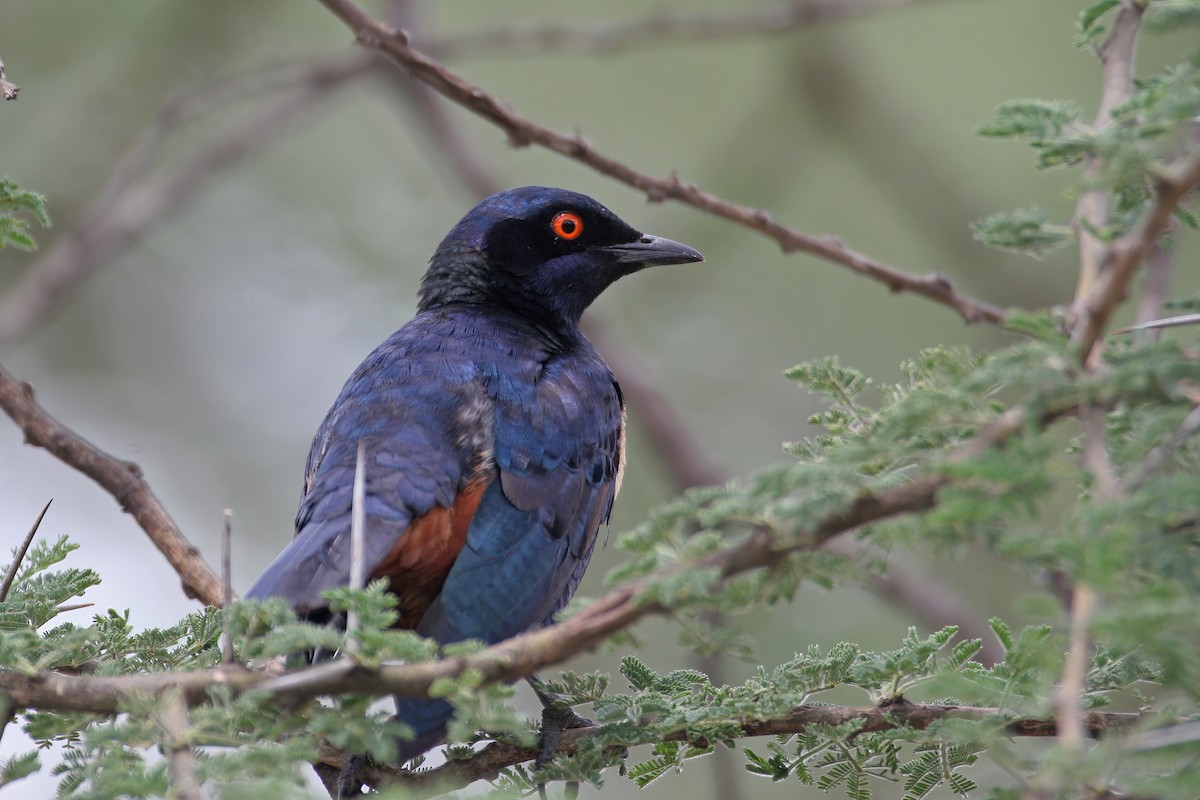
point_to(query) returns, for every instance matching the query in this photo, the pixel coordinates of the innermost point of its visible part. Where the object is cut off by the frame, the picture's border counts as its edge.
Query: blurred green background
(209, 348)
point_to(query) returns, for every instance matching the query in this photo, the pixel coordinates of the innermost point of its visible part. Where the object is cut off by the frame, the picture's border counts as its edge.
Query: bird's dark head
(547, 253)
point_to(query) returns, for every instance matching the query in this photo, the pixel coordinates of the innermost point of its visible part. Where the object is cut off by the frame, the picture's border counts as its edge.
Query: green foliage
(14, 229)
(1090, 27)
(1027, 501)
(18, 767)
(1027, 230)
(1172, 15)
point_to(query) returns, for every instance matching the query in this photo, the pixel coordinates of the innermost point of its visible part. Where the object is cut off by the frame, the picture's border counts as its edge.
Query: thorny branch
(524, 654)
(523, 132)
(122, 479)
(22, 549)
(487, 763)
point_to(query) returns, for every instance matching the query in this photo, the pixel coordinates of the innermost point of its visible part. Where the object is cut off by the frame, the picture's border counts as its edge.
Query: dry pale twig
(11, 575)
(358, 530)
(522, 131)
(227, 584)
(121, 479)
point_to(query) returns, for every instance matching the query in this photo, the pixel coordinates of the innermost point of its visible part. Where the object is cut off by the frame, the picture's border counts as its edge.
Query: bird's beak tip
(655, 250)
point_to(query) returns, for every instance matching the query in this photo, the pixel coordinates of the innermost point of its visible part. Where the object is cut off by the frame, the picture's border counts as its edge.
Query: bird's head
(547, 253)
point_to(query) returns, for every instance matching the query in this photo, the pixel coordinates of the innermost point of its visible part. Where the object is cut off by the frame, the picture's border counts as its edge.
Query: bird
(493, 434)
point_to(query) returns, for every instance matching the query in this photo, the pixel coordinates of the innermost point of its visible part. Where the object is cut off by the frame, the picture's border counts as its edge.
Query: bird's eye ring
(567, 225)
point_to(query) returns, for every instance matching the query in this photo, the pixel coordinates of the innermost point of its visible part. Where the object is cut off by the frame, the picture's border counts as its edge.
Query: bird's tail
(428, 720)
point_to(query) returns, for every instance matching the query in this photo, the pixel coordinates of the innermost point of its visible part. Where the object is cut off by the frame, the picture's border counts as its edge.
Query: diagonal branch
(22, 549)
(131, 202)
(523, 132)
(122, 479)
(1127, 253)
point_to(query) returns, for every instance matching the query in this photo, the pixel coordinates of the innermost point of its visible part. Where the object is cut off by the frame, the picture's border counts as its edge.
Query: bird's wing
(558, 455)
(406, 402)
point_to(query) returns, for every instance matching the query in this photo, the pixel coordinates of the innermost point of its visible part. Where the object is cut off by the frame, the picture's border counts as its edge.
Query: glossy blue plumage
(493, 435)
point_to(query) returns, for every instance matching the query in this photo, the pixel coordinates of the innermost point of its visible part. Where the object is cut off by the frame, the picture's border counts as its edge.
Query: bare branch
(523, 132)
(1128, 252)
(131, 202)
(7, 87)
(122, 479)
(653, 29)
(227, 584)
(11, 575)
(679, 451)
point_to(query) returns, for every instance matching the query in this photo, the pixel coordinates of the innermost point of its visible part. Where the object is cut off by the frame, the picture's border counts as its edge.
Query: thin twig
(1158, 324)
(1144, 741)
(131, 202)
(7, 87)
(19, 556)
(358, 527)
(181, 761)
(121, 479)
(227, 581)
(653, 29)
(522, 131)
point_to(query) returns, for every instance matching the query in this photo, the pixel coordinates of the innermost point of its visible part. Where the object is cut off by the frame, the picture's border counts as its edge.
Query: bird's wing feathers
(557, 453)
(403, 402)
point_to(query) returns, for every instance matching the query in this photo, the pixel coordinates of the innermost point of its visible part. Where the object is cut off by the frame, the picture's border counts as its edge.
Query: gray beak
(649, 251)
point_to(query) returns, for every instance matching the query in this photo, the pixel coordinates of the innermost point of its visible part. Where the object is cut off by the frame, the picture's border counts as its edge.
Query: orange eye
(567, 225)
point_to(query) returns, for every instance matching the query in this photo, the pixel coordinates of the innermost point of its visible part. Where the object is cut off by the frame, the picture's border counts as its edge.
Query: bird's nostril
(647, 239)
